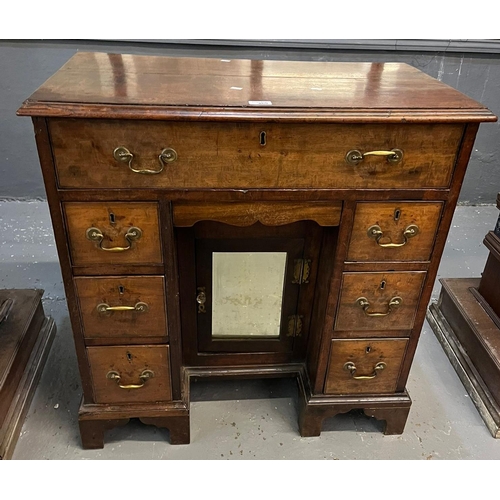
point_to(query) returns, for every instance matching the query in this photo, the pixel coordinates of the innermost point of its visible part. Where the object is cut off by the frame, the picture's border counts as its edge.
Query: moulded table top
(118, 85)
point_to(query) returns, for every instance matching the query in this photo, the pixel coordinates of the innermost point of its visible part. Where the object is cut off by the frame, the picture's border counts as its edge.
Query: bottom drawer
(364, 366)
(130, 374)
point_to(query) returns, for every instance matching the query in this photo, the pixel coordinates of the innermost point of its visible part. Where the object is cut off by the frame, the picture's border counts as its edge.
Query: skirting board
(26, 390)
(472, 381)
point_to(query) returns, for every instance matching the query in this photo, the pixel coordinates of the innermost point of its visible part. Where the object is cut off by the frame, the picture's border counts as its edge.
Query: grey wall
(25, 65)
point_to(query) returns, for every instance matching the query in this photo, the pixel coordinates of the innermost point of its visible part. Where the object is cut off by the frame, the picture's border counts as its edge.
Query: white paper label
(260, 103)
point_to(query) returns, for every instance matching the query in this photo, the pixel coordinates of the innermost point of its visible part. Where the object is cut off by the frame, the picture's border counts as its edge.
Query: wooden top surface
(120, 85)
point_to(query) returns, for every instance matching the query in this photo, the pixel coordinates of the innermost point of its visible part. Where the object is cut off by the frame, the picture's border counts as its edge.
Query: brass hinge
(295, 326)
(301, 270)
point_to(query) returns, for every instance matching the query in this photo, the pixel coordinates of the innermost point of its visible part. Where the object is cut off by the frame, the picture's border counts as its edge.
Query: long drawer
(180, 155)
(122, 307)
(130, 374)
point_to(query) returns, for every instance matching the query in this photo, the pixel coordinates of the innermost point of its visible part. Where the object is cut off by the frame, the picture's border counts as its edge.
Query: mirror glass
(247, 294)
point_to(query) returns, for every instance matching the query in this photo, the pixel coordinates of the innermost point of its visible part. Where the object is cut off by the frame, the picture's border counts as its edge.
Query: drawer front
(121, 307)
(113, 233)
(364, 366)
(379, 301)
(130, 374)
(249, 155)
(399, 231)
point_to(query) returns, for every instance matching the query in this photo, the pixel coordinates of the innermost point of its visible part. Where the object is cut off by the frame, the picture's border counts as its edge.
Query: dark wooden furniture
(26, 335)
(466, 320)
(247, 219)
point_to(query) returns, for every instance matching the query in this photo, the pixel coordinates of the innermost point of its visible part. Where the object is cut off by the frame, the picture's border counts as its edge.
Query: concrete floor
(245, 419)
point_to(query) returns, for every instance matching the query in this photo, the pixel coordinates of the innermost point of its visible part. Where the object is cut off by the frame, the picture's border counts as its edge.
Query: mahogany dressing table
(247, 219)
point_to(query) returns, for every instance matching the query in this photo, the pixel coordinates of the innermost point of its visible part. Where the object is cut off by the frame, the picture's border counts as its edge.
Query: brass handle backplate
(124, 155)
(365, 305)
(143, 377)
(139, 307)
(377, 233)
(351, 367)
(354, 157)
(95, 234)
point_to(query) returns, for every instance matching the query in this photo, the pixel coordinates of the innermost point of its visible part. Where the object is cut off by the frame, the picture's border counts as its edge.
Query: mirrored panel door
(246, 295)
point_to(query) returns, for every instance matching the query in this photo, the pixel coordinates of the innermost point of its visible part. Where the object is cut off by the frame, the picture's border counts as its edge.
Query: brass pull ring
(139, 307)
(351, 367)
(377, 233)
(95, 234)
(355, 156)
(144, 377)
(365, 305)
(124, 155)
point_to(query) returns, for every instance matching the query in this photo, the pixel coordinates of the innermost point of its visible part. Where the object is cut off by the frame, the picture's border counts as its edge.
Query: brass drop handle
(144, 377)
(365, 305)
(377, 233)
(95, 234)
(351, 367)
(139, 307)
(355, 156)
(124, 155)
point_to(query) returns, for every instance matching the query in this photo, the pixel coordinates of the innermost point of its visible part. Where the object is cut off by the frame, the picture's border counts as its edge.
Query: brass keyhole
(121, 290)
(368, 349)
(112, 219)
(263, 138)
(382, 284)
(397, 214)
(129, 356)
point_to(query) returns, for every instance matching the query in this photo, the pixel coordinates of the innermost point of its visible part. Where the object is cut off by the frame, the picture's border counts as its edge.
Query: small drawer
(396, 231)
(122, 307)
(180, 155)
(364, 366)
(130, 374)
(113, 233)
(379, 301)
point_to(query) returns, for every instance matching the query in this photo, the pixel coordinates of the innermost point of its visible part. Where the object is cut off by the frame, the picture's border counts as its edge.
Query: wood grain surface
(230, 155)
(143, 85)
(267, 213)
(129, 362)
(82, 216)
(407, 285)
(122, 291)
(365, 354)
(418, 248)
